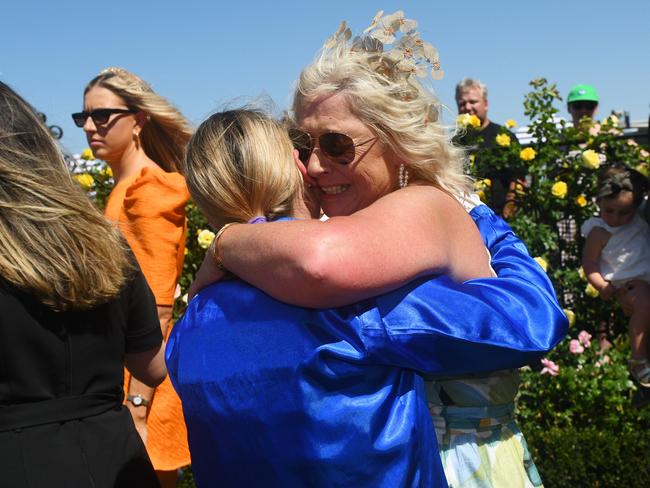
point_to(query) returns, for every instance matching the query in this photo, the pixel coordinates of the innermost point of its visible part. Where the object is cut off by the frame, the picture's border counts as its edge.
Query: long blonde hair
(166, 133)
(239, 165)
(397, 108)
(54, 244)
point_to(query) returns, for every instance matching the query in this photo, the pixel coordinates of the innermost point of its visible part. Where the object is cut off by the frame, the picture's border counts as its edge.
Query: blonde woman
(281, 395)
(142, 138)
(74, 307)
(383, 168)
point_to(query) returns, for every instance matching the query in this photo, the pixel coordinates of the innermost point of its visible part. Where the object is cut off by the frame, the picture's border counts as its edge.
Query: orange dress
(149, 208)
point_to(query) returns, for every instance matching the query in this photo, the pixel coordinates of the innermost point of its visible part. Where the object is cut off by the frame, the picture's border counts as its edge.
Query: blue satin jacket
(281, 396)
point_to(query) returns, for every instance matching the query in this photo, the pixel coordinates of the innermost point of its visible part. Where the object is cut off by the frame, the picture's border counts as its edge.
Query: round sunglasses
(99, 116)
(334, 145)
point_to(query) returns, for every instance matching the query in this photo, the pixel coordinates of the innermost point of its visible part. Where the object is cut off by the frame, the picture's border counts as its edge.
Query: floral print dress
(480, 443)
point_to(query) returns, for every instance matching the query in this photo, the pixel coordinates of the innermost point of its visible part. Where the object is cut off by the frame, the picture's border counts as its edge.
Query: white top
(626, 255)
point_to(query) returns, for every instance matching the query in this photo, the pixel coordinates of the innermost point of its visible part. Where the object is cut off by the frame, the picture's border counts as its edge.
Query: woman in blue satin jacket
(279, 395)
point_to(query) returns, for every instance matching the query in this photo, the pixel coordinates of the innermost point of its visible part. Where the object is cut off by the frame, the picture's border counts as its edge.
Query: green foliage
(194, 253)
(588, 457)
(101, 178)
(580, 423)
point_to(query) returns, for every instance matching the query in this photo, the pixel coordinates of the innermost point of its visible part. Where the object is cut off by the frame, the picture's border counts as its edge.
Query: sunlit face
(472, 102)
(618, 210)
(346, 188)
(109, 141)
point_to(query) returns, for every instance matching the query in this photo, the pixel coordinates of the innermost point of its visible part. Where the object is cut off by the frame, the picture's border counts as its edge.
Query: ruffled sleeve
(154, 225)
(589, 224)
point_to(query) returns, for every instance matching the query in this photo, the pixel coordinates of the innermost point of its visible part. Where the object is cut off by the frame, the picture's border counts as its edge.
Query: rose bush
(577, 404)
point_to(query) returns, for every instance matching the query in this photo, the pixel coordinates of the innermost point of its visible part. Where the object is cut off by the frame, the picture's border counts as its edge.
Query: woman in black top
(74, 308)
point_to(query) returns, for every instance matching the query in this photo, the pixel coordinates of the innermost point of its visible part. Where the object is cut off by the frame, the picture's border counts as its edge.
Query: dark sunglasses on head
(334, 145)
(583, 105)
(99, 116)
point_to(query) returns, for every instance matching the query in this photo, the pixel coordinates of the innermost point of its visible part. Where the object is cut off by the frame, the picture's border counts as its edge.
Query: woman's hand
(207, 274)
(139, 415)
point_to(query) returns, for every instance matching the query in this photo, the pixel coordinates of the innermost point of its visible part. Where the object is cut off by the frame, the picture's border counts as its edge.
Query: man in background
(472, 99)
(582, 102)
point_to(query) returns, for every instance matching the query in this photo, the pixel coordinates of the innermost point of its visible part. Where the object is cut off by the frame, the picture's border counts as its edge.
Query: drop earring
(403, 176)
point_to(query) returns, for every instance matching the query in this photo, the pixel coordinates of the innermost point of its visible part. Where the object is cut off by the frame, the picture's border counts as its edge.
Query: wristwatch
(137, 401)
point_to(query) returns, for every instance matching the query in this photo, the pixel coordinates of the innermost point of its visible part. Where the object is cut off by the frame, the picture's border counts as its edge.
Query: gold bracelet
(215, 246)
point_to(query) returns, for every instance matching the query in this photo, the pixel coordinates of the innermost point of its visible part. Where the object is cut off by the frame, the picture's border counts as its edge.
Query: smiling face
(346, 188)
(618, 210)
(471, 101)
(109, 141)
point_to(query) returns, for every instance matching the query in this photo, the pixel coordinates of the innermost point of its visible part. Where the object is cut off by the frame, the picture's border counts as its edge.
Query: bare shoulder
(417, 202)
(435, 222)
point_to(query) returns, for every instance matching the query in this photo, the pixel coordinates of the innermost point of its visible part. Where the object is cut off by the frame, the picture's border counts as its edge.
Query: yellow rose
(85, 180)
(510, 123)
(481, 195)
(542, 262)
(107, 172)
(474, 121)
(591, 291)
(581, 200)
(205, 238)
(570, 314)
(472, 158)
(480, 185)
(462, 120)
(465, 120)
(590, 159)
(87, 154)
(643, 169)
(582, 274)
(527, 154)
(503, 140)
(559, 189)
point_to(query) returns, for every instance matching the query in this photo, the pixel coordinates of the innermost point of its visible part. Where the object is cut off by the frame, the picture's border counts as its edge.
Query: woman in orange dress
(142, 138)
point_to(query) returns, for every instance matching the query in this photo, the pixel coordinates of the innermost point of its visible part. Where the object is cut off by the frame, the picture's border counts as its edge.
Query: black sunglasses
(583, 105)
(99, 116)
(334, 145)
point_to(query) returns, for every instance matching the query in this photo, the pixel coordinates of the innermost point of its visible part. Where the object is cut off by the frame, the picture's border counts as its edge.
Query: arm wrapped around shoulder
(440, 327)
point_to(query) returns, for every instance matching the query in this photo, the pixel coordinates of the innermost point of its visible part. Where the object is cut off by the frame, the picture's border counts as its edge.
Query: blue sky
(205, 55)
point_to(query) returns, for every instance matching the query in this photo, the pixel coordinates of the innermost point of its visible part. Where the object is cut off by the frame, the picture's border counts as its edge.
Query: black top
(47, 357)
(501, 178)
(490, 133)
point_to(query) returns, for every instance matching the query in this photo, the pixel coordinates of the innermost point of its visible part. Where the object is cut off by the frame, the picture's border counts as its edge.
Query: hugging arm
(406, 234)
(440, 327)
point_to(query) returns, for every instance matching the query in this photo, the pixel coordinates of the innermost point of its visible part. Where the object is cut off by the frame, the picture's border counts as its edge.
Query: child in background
(616, 257)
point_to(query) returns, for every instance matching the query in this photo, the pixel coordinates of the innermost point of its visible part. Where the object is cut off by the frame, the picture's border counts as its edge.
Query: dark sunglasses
(334, 145)
(583, 105)
(99, 116)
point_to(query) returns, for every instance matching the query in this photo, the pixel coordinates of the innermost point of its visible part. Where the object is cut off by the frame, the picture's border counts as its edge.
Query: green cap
(583, 92)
